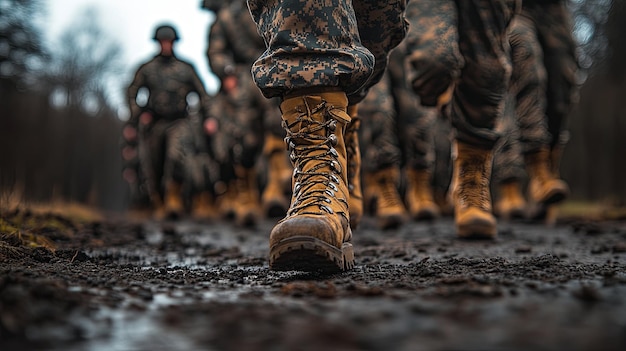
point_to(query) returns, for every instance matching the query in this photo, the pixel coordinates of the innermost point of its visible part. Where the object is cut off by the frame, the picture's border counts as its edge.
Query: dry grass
(32, 226)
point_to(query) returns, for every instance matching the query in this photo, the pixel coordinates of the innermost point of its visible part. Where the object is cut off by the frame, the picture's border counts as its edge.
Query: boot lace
(474, 191)
(316, 187)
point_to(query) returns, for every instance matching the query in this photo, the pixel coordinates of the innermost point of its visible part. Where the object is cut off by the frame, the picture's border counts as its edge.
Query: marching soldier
(164, 133)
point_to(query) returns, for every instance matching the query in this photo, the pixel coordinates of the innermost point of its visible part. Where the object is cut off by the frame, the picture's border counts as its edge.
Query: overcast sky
(132, 24)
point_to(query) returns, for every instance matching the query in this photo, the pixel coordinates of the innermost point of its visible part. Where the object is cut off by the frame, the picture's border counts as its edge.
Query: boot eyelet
(334, 152)
(293, 157)
(327, 209)
(332, 125)
(335, 179)
(333, 139)
(336, 166)
(329, 192)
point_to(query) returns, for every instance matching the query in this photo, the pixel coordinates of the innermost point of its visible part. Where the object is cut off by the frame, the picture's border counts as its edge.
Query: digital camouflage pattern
(415, 122)
(234, 43)
(543, 28)
(378, 135)
(241, 114)
(168, 81)
(320, 44)
(470, 51)
(553, 25)
(244, 114)
(165, 135)
(508, 160)
(528, 85)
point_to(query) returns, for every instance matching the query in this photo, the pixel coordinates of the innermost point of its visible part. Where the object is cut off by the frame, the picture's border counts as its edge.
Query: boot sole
(308, 254)
(554, 197)
(477, 229)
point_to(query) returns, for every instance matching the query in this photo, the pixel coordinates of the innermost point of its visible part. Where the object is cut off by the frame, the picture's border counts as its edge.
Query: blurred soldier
(390, 102)
(544, 89)
(249, 123)
(381, 155)
(165, 136)
(508, 165)
(415, 131)
(458, 57)
(318, 60)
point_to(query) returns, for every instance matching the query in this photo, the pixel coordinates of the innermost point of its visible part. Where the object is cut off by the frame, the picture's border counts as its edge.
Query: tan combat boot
(544, 187)
(511, 203)
(203, 206)
(315, 235)
(548, 211)
(274, 198)
(354, 167)
(173, 203)
(471, 194)
(383, 198)
(419, 195)
(246, 205)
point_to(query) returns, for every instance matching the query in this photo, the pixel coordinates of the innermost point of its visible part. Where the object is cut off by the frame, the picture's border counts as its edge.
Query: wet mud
(122, 285)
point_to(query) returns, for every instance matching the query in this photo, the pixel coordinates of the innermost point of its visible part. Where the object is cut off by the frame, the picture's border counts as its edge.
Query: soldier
(458, 57)
(319, 58)
(163, 129)
(249, 124)
(544, 89)
(390, 102)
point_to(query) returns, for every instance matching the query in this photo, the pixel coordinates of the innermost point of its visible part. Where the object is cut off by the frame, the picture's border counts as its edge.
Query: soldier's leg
(314, 77)
(179, 148)
(417, 130)
(152, 156)
(508, 174)
(554, 32)
(381, 156)
(248, 108)
(528, 84)
(476, 106)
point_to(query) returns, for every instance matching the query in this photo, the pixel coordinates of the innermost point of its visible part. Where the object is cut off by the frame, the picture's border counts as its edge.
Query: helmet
(212, 5)
(165, 32)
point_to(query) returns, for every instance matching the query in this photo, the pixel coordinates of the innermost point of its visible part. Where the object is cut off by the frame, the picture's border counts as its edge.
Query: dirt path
(114, 285)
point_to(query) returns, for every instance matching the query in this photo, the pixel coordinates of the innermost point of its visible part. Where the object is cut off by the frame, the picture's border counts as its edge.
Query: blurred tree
(83, 59)
(21, 49)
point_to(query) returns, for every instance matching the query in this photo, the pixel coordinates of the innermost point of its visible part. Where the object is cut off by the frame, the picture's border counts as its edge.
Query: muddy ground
(122, 285)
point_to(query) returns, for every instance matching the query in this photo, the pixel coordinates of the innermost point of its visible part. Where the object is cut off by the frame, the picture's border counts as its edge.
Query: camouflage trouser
(244, 117)
(508, 161)
(415, 122)
(462, 42)
(529, 89)
(377, 136)
(528, 85)
(164, 147)
(554, 31)
(325, 43)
